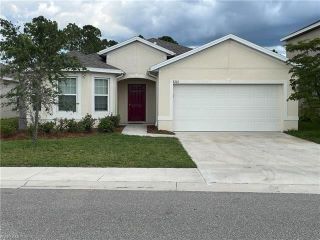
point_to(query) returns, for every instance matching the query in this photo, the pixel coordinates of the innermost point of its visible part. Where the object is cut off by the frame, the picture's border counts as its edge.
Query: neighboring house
(309, 32)
(228, 84)
(6, 84)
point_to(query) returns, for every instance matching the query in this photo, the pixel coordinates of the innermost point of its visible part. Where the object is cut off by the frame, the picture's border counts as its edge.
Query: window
(68, 95)
(101, 91)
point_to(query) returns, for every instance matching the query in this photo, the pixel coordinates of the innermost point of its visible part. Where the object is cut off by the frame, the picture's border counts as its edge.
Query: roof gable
(134, 39)
(215, 42)
(301, 31)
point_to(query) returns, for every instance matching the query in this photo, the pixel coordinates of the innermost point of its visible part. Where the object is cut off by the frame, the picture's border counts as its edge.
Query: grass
(100, 150)
(307, 130)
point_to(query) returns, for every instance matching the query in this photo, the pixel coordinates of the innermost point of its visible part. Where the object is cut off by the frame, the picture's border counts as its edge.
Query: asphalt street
(101, 214)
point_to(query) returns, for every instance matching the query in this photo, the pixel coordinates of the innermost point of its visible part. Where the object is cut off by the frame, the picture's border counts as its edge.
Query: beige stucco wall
(315, 33)
(85, 98)
(135, 59)
(6, 111)
(228, 62)
(150, 99)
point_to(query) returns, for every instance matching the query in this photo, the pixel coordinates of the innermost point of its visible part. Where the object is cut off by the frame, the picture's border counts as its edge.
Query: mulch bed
(21, 135)
(154, 129)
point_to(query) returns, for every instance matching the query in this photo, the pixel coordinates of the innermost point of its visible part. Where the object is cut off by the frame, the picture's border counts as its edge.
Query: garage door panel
(227, 107)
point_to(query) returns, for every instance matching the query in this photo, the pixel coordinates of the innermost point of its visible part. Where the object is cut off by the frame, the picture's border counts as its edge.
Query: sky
(190, 22)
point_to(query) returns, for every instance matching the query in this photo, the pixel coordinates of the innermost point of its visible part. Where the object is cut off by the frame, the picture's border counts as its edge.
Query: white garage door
(227, 107)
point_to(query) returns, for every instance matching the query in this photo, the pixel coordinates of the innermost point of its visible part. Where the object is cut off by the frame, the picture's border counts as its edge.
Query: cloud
(191, 23)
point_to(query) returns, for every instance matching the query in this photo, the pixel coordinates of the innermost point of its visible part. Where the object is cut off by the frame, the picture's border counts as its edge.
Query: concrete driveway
(253, 158)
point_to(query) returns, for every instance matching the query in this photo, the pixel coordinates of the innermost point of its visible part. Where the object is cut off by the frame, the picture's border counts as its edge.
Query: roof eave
(301, 31)
(119, 45)
(215, 42)
(98, 70)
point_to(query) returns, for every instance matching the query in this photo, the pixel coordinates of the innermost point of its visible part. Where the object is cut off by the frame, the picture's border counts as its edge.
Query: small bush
(8, 126)
(47, 127)
(8, 130)
(61, 125)
(87, 123)
(106, 125)
(115, 119)
(73, 126)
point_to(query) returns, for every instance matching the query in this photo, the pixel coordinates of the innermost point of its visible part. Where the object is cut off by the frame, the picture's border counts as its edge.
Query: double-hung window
(67, 100)
(101, 94)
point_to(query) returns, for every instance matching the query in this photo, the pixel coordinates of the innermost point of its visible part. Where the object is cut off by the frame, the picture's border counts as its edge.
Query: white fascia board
(98, 70)
(317, 24)
(104, 70)
(215, 42)
(109, 49)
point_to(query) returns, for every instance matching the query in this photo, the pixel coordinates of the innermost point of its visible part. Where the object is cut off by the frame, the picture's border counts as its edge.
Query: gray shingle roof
(178, 49)
(92, 60)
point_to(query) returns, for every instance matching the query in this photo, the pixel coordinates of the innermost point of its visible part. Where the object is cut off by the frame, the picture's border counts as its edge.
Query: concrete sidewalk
(157, 179)
(141, 130)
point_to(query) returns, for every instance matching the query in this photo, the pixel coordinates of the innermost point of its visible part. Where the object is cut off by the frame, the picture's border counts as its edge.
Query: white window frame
(101, 112)
(76, 94)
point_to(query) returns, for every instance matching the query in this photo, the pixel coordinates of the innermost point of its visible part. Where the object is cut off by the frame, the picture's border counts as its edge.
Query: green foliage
(61, 125)
(106, 125)
(74, 126)
(87, 123)
(47, 127)
(305, 70)
(115, 119)
(168, 39)
(34, 57)
(86, 39)
(8, 126)
(309, 130)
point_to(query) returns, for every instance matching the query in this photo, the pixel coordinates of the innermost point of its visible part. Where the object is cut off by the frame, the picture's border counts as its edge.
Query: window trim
(102, 95)
(76, 94)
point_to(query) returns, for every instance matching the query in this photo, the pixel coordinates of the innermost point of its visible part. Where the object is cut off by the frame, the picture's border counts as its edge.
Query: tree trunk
(22, 118)
(36, 126)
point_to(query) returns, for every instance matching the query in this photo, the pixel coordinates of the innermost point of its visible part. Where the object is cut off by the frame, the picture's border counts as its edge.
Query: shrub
(115, 119)
(47, 127)
(87, 123)
(9, 126)
(73, 126)
(61, 124)
(106, 125)
(8, 130)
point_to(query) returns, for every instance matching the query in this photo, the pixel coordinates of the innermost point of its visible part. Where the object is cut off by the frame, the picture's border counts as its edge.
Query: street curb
(161, 186)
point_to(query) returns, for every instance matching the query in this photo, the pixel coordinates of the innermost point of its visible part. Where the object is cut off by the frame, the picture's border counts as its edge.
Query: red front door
(136, 102)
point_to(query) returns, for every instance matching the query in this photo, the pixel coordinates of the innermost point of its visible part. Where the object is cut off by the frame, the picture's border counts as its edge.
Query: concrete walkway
(141, 130)
(157, 179)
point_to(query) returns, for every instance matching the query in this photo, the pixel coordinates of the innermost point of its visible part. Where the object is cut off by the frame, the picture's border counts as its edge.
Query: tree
(112, 43)
(74, 37)
(34, 58)
(106, 43)
(86, 39)
(91, 41)
(168, 39)
(305, 78)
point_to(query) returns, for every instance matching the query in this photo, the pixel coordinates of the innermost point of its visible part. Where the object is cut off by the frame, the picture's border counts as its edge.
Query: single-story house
(229, 84)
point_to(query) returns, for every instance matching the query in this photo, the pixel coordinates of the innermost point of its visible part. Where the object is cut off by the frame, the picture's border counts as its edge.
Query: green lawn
(307, 130)
(101, 150)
